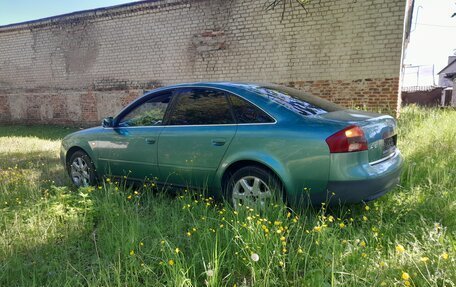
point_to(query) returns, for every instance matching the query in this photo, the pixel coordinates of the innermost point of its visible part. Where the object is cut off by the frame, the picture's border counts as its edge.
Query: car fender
(84, 145)
(256, 156)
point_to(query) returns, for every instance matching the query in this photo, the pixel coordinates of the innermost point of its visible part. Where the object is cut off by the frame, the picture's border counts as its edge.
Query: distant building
(447, 79)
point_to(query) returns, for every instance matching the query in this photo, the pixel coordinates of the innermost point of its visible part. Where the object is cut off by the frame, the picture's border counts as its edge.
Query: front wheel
(81, 169)
(253, 186)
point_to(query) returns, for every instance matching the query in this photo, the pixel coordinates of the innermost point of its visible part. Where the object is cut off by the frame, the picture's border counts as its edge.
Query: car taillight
(349, 139)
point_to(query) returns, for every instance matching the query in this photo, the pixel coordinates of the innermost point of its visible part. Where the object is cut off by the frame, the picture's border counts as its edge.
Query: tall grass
(115, 235)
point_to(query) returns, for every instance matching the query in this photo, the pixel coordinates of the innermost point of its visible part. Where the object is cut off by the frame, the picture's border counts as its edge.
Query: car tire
(81, 169)
(253, 186)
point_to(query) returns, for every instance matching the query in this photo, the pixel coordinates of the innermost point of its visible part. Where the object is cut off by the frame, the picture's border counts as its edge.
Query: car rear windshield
(297, 101)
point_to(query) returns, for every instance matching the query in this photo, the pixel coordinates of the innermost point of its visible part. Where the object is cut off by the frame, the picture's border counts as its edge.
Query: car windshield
(296, 100)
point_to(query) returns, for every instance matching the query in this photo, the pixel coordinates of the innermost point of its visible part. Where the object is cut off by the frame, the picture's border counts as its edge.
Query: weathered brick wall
(81, 67)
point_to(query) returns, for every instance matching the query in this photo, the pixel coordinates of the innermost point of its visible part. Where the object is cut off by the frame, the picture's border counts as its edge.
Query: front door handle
(218, 141)
(150, 140)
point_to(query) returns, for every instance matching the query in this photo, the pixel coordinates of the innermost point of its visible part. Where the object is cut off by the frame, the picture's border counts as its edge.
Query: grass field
(54, 235)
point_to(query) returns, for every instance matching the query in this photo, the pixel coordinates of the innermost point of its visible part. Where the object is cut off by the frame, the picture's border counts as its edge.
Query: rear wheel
(81, 169)
(252, 186)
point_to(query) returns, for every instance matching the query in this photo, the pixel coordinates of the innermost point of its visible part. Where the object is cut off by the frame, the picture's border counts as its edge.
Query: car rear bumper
(373, 182)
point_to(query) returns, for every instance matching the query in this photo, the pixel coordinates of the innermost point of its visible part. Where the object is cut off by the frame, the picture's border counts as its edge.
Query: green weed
(115, 235)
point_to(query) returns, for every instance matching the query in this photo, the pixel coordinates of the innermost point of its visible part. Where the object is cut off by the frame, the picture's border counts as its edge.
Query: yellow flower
(367, 207)
(383, 283)
(108, 180)
(162, 242)
(342, 225)
(288, 214)
(382, 264)
(132, 252)
(445, 256)
(364, 218)
(331, 218)
(362, 244)
(171, 262)
(277, 223)
(405, 276)
(407, 283)
(363, 254)
(177, 250)
(281, 263)
(282, 238)
(189, 234)
(141, 244)
(317, 228)
(424, 259)
(129, 197)
(300, 251)
(400, 248)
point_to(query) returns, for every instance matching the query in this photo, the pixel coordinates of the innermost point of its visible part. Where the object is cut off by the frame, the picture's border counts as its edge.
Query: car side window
(201, 106)
(247, 113)
(149, 113)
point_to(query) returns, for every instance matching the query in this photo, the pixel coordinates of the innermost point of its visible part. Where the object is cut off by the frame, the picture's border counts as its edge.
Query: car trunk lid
(379, 130)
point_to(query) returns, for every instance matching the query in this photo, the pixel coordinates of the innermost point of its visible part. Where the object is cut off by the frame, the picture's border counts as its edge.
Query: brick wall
(81, 67)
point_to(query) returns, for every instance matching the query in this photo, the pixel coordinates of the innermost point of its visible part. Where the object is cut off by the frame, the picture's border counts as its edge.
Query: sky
(432, 40)
(14, 11)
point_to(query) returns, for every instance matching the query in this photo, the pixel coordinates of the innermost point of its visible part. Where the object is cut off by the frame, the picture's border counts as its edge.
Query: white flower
(255, 257)
(210, 273)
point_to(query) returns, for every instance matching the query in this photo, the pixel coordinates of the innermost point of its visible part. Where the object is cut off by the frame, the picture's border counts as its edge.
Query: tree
(272, 4)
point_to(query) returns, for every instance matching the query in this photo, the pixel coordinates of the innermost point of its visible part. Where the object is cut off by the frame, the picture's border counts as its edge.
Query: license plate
(388, 145)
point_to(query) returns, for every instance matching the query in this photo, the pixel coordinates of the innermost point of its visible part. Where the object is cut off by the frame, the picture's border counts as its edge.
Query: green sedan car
(244, 142)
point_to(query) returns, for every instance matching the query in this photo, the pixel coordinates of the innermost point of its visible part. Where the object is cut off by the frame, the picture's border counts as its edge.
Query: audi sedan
(245, 142)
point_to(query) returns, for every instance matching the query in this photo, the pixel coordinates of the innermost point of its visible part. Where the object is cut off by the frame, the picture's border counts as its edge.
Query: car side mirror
(107, 122)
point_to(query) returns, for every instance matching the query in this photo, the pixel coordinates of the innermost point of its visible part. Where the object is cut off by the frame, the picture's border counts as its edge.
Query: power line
(433, 25)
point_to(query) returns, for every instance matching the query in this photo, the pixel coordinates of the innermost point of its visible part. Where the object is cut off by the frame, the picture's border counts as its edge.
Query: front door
(129, 149)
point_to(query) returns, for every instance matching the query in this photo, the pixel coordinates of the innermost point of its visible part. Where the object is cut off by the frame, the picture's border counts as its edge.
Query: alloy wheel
(80, 172)
(250, 190)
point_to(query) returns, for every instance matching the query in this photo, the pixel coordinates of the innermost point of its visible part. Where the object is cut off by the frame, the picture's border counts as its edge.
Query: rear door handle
(150, 140)
(218, 141)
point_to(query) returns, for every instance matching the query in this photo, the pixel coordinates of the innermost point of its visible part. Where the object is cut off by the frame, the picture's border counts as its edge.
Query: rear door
(199, 129)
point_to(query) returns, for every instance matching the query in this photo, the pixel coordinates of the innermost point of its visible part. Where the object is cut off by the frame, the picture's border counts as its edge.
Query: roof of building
(411, 89)
(449, 69)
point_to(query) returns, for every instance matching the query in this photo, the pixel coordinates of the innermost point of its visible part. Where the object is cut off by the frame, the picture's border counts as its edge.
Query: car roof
(217, 84)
